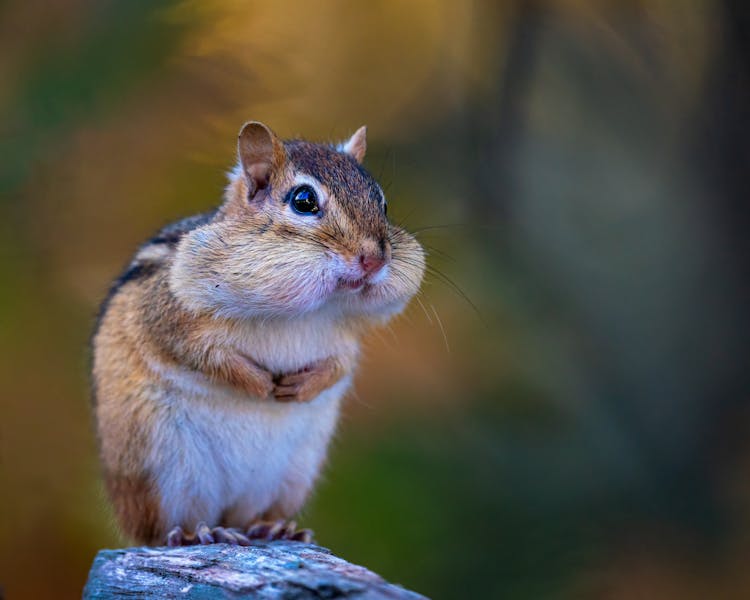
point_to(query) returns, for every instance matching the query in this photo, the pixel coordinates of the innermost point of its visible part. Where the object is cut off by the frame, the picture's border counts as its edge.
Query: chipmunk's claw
(203, 533)
(279, 530)
(303, 535)
(176, 537)
(230, 535)
(262, 530)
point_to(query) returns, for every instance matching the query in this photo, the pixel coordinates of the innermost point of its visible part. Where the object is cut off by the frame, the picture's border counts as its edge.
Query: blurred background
(566, 415)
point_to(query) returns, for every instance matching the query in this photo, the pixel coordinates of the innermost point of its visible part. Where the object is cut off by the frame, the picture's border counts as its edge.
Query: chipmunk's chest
(285, 346)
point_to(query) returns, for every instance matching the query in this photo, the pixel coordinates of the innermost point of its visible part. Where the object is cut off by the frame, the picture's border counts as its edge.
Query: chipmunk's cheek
(320, 286)
(380, 277)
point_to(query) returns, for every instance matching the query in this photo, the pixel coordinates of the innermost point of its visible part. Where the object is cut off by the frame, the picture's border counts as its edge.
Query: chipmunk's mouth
(353, 285)
(362, 284)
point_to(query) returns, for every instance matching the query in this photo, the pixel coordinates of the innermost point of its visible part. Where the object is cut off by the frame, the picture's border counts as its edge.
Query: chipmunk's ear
(261, 155)
(356, 146)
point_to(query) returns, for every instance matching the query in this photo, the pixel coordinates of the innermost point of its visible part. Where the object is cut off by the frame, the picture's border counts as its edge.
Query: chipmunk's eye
(385, 208)
(304, 200)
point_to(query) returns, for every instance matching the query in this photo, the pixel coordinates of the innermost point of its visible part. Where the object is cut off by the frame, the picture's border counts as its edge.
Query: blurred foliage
(563, 412)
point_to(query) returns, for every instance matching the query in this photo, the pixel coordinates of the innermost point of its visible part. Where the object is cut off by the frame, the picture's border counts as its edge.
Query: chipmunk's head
(303, 228)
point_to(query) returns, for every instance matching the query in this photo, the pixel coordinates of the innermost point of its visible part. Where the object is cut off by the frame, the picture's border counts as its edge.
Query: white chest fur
(289, 345)
(237, 458)
(220, 456)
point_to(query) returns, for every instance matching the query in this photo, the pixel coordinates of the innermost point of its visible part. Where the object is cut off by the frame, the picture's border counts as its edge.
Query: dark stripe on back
(169, 234)
(172, 233)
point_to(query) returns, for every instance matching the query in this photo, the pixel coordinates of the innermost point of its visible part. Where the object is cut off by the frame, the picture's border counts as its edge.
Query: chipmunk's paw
(307, 384)
(262, 530)
(230, 535)
(296, 387)
(251, 377)
(201, 535)
(279, 530)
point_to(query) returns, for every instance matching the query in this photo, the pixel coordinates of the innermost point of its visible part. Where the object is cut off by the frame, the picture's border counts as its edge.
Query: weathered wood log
(278, 570)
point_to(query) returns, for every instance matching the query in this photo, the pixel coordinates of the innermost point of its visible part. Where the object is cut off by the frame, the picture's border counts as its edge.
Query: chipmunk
(223, 351)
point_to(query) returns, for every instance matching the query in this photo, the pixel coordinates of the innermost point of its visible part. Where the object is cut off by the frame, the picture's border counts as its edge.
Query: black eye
(304, 200)
(385, 207)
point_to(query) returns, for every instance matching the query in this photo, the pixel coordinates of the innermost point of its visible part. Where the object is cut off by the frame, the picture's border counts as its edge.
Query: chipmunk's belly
(218, 452)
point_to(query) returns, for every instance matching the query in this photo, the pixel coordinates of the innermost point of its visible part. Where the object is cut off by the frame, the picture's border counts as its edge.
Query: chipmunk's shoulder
(172, 233)
(153, 254)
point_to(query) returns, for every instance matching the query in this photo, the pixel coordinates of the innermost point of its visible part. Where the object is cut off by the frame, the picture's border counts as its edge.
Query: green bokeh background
(564, 414)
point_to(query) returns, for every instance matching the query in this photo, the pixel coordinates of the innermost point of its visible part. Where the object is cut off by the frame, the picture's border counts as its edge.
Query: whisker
(418, 230)
(452, 284)
(358, 399)
(389, 344)
(438, 252)
(426, 314)
(401, 223)
(442, 329)
(385, 160)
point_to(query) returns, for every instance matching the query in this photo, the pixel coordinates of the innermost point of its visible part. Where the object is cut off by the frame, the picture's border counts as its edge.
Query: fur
(223, 320)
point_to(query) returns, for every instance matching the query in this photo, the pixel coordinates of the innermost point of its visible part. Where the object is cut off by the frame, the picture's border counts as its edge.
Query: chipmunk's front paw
(306, 384)
(243, 372)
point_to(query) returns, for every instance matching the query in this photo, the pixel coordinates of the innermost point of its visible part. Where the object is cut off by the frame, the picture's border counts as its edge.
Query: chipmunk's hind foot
(261, 530)
(201, 536)
(279, 530)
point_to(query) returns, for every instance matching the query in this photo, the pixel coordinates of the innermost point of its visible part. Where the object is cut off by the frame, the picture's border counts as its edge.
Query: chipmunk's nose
(372, 263)
(374, 255)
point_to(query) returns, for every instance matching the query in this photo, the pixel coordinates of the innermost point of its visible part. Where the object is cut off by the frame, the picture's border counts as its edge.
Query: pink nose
(371, 263)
